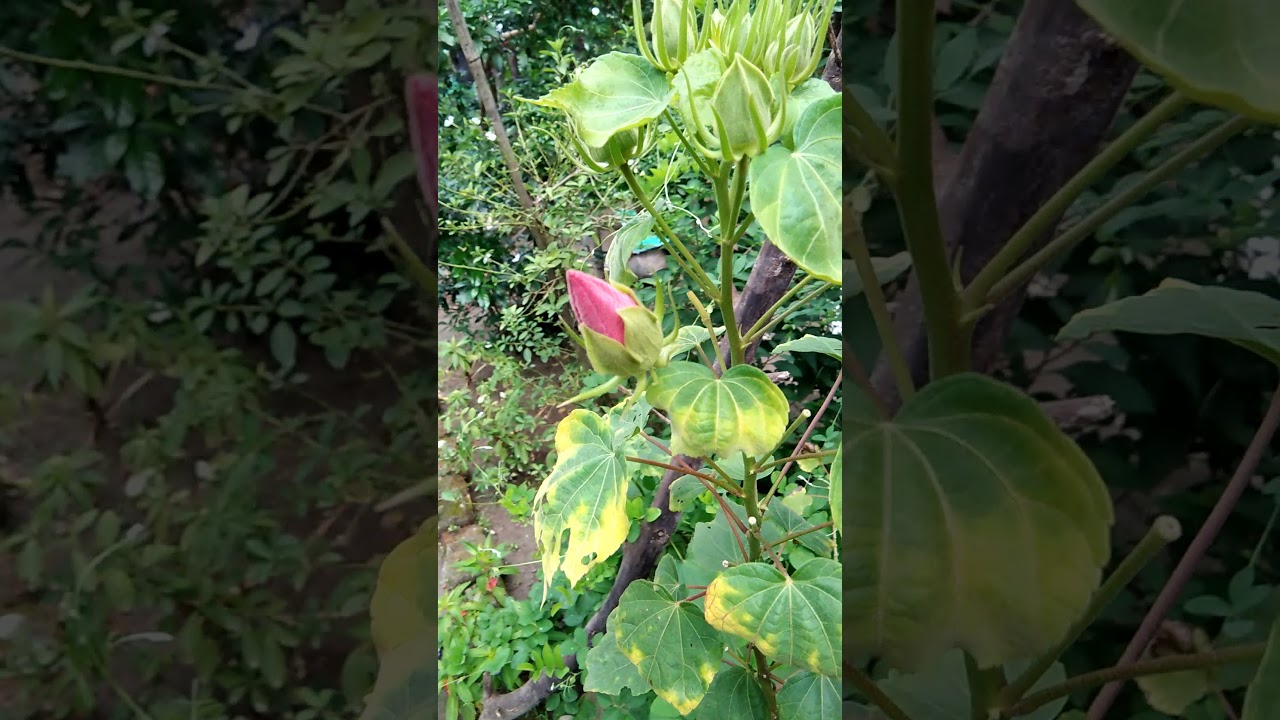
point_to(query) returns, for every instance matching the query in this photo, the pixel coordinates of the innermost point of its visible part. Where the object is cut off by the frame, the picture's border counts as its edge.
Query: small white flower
(595, 11)
(502, 394)
(724, 563)
(448, 122)
(836, 327)
(490, 136)
(475, 121)
(500, 30)
(439, 443)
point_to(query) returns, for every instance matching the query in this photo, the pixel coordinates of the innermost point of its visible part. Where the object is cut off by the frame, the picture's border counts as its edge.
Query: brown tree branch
(1054, 96)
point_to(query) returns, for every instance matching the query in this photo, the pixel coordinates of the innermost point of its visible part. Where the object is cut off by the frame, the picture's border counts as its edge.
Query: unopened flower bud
(422, 94)
(622, 337)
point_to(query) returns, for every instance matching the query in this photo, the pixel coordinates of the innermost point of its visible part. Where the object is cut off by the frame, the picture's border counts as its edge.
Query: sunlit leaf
(795, 620)
(669, 642)
(608, 671)
(617, 92)
(740, 411)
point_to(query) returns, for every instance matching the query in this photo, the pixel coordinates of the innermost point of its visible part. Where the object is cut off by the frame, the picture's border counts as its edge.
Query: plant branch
(890, 349)
(1072, 236)
(1153, 666)
(917, 206)
(873, 693)
(976, 293)
(1195, 552)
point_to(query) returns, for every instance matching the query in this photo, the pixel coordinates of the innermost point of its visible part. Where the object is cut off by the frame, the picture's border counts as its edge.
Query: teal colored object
(650, 243)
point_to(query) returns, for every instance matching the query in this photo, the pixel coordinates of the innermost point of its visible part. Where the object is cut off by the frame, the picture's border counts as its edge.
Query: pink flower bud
(421, 91)
(596, 304)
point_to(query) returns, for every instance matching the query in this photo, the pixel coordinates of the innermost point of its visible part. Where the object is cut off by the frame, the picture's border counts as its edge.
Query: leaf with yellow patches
(585, 496)
(735, 693)
(795, 620)
(669, 642)
(740, 411)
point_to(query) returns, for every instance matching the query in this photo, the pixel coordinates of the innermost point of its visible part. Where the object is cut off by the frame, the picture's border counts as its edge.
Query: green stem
(802, 302)
(786, 297)
(798, 533)
(418, 270)
(880, 315)
(1006, 284)
(917, 207)
(873, 693)
(673, 244)
(1042, 222)
(751, 501)
(868, 136)
(730, 199)
(1154, 666)
(688, 146)
(1163, 531)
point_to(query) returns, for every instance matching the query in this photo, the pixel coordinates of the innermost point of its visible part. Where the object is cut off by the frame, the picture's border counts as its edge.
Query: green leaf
(1219, 53)
(781, 521)
(1248, 319)
(795, 192)
(609, 671)
(284, 344)
(712, 545)
(941, 692)
(733, 694)
(1262, 701)
(669, 642)
(794, 620)
(805, 94)
(404, 634)
(687, 338)
(685, 489)
(617, 92)
(586, 495)
(741, 411)
(979, 525)
(886, 269)
(624, 241)
(809, 696)
(811, 343)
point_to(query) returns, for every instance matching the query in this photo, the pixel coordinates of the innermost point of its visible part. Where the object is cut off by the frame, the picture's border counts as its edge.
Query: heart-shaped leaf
(741, 411)
(1248, 319)
(941, 692)
(1262, 701)
(795, 191)
(609, 671)
(978, 524)
(809, 696)
(1220, 53)
(585, 494)
(734, 693)
(402, 635)
(795, 620)
(617, 92)
(669, 642)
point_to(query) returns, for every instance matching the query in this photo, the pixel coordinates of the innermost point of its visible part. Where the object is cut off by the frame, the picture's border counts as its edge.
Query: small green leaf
(669, 642)
(624, 241)
(795, 620)
(687, 338)
(685, 489)
(980, 525)
(795, 192)
(1248, 319)
(1219, 53)
(586, 495)
(284, 344)
(1262, 701)
(741, 411)
(809, 696)
(836, 497)
(813, 344)
(617, 92)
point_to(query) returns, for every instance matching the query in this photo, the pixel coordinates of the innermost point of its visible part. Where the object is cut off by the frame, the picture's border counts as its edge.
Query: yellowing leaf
(585, 495)
(795, 620)
(669, 642)
(741, 411)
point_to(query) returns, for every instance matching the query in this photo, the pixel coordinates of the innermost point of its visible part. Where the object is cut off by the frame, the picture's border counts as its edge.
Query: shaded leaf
(811, 343)
(809, 696)
(733, 694)
(1262, 701)
(980, 525)
(608, 671)
(669, 642)
(941, 692)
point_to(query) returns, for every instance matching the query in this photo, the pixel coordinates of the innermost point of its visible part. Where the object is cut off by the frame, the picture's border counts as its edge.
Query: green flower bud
(795, 55)
(738, 114)
(674, 27)
(623, 147)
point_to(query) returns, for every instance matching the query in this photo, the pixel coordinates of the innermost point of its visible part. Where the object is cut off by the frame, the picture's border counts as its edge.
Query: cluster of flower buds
(622, 337)
(780, 37)
(622, 148)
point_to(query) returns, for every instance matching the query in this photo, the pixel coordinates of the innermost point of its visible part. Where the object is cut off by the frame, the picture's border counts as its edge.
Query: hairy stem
(1195, 552)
